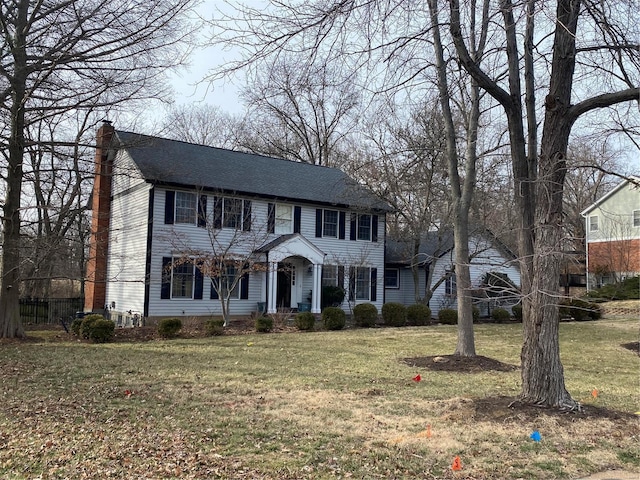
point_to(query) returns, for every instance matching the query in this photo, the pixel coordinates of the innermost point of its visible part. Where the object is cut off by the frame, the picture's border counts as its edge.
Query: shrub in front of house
(418, 314)
(394, 314)
(517, 312)
(214, 327)
(334, 318)
(475, 313)
(169, 327)
(87, 322)
(579, 310)
(448, 316)
(76, 325)
(500, 315)
(102, 330)
(264, 324)
(365, 315)
(332, 296)
(305, 321)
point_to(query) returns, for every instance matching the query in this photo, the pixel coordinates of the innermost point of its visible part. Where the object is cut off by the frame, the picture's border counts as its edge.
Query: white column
(273, 287)
(317, 288)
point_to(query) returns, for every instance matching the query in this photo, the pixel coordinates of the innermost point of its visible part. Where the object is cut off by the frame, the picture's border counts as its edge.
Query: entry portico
(301, 256)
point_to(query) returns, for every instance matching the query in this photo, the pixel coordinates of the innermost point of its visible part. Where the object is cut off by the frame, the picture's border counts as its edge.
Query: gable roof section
(634, 179)
(172, 162)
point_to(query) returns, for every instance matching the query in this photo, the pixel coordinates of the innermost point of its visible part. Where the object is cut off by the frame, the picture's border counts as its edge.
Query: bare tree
(604, 50)
(300, 112)
(63, 56)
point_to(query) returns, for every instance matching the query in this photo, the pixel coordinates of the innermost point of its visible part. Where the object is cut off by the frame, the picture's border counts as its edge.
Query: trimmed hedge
(334, 318)
(264, 324)
(418, 314)
(169, 327)
(86, 325)
(305, 321)
(394, 314)
(500, 315)
(214, 327)
(102, 330)
(448, 316)
(365, 315)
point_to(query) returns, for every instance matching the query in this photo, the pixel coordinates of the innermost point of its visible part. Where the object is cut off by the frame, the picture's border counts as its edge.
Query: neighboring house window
(185, 207)
(283, 219)
(450, 286)
(232, 213)
(391, 278)
(593, 223)
(636, 218)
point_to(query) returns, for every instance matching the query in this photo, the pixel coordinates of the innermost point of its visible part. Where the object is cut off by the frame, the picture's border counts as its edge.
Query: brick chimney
(95, 282)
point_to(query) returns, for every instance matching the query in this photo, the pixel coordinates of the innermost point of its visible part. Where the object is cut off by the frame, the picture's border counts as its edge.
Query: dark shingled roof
(172, 162)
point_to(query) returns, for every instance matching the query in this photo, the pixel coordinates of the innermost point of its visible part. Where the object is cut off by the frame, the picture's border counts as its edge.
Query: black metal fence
(49, 310)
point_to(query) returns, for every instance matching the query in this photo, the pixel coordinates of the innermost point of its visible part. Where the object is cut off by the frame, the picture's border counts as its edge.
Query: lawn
(312, 405)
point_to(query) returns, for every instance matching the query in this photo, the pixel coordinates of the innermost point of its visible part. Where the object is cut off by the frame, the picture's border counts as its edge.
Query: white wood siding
(127, 239)
(172, 240)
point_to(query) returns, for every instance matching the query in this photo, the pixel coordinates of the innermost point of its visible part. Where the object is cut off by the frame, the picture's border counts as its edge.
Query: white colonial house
(612, 226)
(156, 200)
(494, 269)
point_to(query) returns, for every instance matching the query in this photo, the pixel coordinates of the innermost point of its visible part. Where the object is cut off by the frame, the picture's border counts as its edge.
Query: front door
(283, 293)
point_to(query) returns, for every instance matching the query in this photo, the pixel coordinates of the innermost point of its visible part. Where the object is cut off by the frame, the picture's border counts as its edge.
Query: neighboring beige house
(613, 235)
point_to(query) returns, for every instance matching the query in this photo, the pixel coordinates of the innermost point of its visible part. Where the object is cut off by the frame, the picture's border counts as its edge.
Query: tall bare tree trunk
(542, 371)
(10, 294)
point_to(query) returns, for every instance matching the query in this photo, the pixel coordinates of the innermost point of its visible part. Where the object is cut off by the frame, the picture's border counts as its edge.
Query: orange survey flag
(457, 464)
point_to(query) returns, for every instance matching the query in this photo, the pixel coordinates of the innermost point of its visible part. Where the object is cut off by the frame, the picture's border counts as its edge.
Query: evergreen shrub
(365, 315)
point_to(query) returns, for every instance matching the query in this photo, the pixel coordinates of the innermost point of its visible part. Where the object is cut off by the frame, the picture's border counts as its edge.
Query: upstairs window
(233, 213)
(636, 218)
(593, 223)
(283, 219)
(364, 227)
(185, 207)
(330, 224)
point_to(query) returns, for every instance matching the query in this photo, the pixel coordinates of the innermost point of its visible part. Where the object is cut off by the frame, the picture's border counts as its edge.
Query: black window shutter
(169, 206)
(271, 217)
(246, 217)
(217, 212)
(341, 225)
(244, 286)
(353, 234)
(202, 211)
(165, 288)
(374, 284)
(198, 284)
(214, 293)
(297, 217)
(318, 222)
(374, 228)
(352, 283)
(341, 276)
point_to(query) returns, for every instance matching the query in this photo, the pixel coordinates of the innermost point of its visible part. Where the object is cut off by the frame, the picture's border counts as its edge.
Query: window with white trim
(182, 280)
(228, 277)
(450, 285)
(363, 283)
(185, 207)
(330, 223)
(283, 219)
(330, 276)
(232, 213)
(391, 278)
(364, 227)
(593, 223)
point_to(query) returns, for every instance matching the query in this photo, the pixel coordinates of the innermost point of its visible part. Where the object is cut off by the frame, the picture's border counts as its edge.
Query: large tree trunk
(11, 325)
(542, 372)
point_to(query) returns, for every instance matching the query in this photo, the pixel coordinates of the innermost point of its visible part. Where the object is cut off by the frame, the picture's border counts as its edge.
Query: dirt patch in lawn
(459, 364)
